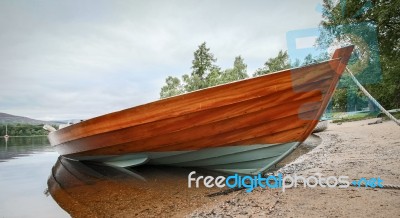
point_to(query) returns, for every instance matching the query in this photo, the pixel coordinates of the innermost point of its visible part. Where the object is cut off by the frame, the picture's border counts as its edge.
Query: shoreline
(353, 149)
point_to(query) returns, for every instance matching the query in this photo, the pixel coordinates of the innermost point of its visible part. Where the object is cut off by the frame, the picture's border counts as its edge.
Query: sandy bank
(353, 149)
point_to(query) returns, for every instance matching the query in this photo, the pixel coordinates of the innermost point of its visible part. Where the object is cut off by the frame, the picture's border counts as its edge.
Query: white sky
(80, 59)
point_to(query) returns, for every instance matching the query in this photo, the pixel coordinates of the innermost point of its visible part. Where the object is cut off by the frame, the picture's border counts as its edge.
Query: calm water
(36, 182)
(25, 165)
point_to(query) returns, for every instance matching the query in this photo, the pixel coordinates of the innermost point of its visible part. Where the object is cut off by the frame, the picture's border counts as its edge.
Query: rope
(372, 98)
(384, 186)
(299, 182)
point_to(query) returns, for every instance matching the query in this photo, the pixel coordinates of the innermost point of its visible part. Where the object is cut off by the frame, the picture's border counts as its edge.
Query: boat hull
(243, 159)
(279, 109)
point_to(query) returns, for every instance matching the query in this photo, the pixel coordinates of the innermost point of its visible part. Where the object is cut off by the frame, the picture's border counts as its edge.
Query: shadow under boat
(88, 189)
(85, 189)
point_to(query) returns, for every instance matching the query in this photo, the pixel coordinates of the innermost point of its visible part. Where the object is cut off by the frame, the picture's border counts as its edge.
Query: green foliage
(22, 130)
(348, 97)
(203, 61)
(173, 87)
(369, 19)
(202, 65)
(238, 72)
(214, 77)
(204, 74)
(309, 59)
(280, 62)
(354, 117)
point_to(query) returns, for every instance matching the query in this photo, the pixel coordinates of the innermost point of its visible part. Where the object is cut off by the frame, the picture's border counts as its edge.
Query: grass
(344, 117)
(354, 117)
(396, 115)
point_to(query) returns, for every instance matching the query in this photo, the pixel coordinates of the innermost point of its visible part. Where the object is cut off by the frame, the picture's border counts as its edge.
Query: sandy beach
(354, 149)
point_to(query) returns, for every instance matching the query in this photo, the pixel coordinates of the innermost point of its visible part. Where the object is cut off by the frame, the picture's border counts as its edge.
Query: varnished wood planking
(344, 55)
(192, 102)
(236, 115)
(289, 135)
(233, 137)
(268, 106)
(208, 131)
(180, 137)
(241, 135)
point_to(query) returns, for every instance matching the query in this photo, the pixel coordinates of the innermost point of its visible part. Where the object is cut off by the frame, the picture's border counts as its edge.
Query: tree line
(383, 15)
(205, 73)
(22, 130)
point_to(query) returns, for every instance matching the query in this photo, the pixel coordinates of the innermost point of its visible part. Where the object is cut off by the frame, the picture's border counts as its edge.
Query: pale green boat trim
(241, 156)
(207, 153)
(278, 159)
(112, 158)
(244, 159)
(127, 162)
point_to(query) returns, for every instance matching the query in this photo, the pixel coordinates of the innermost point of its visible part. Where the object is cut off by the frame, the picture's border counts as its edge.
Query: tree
(173, 87)
(238, 71)
(202, 65)
(204, 74)
(367, 19)
(203, 61)
(280, 62)
(348, 97)
(309, 59)
(214, 77)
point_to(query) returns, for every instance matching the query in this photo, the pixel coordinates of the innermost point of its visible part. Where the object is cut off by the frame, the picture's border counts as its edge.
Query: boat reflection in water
(88, 190)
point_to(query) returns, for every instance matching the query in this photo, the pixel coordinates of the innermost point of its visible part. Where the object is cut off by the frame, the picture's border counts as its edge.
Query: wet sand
(89, 190)
(354, 149)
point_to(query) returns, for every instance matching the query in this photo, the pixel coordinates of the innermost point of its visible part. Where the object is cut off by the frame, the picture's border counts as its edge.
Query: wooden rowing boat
(245, 126)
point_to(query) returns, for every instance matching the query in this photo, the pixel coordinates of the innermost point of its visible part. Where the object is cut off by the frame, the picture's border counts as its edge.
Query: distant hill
(12, 119)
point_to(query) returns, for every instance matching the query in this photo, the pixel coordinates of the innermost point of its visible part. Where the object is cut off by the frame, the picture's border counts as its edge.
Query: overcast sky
(80, 59)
